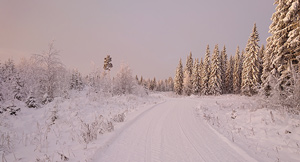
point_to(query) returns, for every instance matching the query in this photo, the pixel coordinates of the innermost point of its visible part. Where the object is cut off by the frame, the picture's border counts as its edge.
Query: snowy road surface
(170, 132)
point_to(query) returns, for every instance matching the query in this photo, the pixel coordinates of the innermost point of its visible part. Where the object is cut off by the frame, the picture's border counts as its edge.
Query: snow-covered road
(170, 132)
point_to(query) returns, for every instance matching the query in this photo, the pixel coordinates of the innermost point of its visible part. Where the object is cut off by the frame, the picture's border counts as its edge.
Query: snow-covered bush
(31, 102)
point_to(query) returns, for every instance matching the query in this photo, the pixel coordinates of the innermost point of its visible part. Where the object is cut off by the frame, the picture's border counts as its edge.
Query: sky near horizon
(150, 36)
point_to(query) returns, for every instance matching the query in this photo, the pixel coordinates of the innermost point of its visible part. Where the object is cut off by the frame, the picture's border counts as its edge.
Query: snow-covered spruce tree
(187, 81)
(283, 46)
(266, 72)
(215, 82)
(279, 35)
(178, 79)
(293, 20)
(94, 80)
(206, 73)
(76, 82)
(283, 49)
(187, 84)
(189, 65)
(261, 54)
(170, 84)
(250, 71)
(236, 80)
(196, 78)
(10, 85)
(153, 84)
(223, 60)
(229, 76)
(200, 72)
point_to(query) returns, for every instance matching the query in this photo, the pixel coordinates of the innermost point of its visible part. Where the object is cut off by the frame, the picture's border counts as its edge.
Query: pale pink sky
(149, 35)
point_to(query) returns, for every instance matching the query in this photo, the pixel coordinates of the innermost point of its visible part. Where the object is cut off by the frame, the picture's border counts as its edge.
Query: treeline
(153, 85)
(39, 79)
(272, 72)
(217, 74)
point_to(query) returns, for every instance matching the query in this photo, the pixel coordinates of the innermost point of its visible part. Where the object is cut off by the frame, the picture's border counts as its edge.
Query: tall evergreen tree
(76, 82)
(187, 84)
(189, 65)
(223, 61)
(250, 71)
(229, 76)
(196, 77)
(201, 74)
(188, 71)
(282, 48)
(237, 72)
(215, 82)
(170, 84)
(260, 62)
(10, 85)
(206, 72)
(178, 79)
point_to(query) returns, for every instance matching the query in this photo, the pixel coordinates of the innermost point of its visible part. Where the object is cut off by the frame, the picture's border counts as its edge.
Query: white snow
(159, 127)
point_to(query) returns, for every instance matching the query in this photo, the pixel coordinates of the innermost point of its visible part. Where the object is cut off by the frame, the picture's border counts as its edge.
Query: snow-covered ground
(158, 127)
(263, 130)
(65, 129)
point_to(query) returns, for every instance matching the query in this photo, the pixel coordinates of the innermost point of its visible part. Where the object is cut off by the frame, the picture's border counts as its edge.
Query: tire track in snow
(183, 132)
(169, 132)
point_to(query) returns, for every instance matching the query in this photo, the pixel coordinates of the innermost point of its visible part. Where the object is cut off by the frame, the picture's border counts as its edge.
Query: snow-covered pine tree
(107, 63)
(229, 76)
(237, 72)
(187, 84)
(215, 82)
(206, 73)
(178, 79)
(223, 60)
(196, 78)
(250, 71)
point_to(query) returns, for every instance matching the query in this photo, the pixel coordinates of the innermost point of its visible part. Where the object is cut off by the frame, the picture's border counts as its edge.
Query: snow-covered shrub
(12, 110)
(31, 102)
(90, 131)
(119, 117)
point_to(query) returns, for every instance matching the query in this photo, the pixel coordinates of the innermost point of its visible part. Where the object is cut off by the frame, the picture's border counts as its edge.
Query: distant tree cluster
(156, 85)
(215, 75)
(272, 71)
